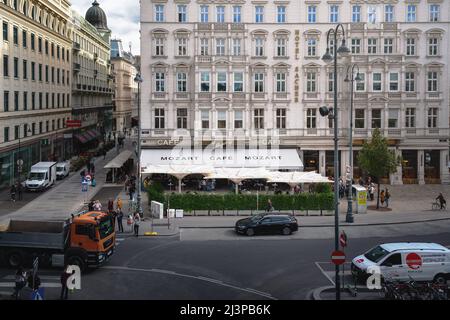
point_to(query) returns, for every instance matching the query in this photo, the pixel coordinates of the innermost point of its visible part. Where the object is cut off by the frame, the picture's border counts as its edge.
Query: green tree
(377, 160)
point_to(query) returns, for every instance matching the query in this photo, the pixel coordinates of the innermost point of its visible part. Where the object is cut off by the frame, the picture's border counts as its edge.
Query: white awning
(119, 161)
(293, 178)
(239, 174)
(272, 159)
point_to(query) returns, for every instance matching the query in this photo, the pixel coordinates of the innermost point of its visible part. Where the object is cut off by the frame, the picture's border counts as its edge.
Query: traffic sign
(343, 239)
(20, 162)
(414, 261)
(338, 257)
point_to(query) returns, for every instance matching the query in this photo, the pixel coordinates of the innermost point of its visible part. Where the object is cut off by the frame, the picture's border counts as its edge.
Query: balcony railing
(159, 95)
(182, 95)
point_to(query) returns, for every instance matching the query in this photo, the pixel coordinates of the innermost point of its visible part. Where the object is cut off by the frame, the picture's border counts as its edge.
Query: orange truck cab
(86, 239)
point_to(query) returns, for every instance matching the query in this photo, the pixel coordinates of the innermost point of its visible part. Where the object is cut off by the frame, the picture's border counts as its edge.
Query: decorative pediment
(281, 65)
(282, 32)
(221, 61)
(159, 31)
(378, 99)
(413, 65)
(312, 32)
(311, 65)
(259, 65)
(221, 99)
(412, 31)
(378, 61)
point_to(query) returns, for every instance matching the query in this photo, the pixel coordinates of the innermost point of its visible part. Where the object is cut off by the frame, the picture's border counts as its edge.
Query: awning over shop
(120, 160)
(294, 178)
(81, 137)
(271, 159)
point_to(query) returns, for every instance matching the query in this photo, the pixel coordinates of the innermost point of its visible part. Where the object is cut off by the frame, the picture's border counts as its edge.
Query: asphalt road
(149, 268)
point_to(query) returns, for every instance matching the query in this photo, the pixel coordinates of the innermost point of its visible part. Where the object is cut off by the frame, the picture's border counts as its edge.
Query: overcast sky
(123, 19)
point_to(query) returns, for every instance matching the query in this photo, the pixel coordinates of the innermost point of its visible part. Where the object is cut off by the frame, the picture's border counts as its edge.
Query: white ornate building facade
(237, 69)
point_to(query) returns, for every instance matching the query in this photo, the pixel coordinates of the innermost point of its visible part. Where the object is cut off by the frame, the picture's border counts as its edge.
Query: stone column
(302, 158)
(345, 161)
(445, 176)
(421, 166)
(397, 177)
(322, 158)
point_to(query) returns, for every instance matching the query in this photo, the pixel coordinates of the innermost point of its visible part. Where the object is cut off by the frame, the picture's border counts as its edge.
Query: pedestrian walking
(119, 203)
(104, 153)
(382, 197)
(119, 217)
(269, 206)
(12, 192)
(137, 222)
(441, 200)
(34, 282)
(64, 278)
(92, 168)
(387, 196)
(20, 282)
(91, 205)
(93, 182)
(97, 205)
(132, 189)
(110, 205)
(371, 191)
(19, 190)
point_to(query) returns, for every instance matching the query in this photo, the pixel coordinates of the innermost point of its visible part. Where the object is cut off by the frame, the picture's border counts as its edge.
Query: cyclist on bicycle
(441, 200)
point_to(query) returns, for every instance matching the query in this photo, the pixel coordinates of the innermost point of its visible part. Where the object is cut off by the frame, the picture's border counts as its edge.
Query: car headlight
(241, 227)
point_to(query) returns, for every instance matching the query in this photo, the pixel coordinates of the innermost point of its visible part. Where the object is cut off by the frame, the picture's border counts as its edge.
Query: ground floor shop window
(409, 166)
(311, 160)
(432, 166)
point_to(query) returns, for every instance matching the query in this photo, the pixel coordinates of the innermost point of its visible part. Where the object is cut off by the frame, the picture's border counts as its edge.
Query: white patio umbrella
(296, 177)
(238, 175)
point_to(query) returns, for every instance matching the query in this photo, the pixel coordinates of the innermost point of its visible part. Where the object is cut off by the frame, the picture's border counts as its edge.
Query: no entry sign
(338, 257)
(414, 261)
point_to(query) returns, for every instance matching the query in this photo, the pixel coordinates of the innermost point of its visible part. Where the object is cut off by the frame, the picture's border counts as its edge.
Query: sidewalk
(65, 198)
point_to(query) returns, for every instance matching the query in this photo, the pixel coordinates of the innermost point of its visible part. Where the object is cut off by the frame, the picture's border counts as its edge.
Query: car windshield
(106, 228)
(37, 175)
(376, 254)
(59, 169)
(257, 217)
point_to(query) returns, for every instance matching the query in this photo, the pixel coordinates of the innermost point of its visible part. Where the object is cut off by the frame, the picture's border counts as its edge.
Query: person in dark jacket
(91, 205)
(19, 190)
(441, 200)
(64, 289)
(119, 217)
(110, 205)
(12, 192)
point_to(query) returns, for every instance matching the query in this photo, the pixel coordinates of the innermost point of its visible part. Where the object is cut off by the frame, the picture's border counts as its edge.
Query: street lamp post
(352, 79)
(138, 79)
(19, 159)
(333, 113)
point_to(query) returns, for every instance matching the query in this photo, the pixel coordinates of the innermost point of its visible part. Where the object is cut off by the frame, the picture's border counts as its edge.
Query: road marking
(217, 282)
(43, 285)
(324, 273)
(13, 277)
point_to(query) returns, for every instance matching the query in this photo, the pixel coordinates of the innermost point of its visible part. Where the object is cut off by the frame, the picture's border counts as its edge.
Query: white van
(42, 176)
(62, 170)
(403, 261)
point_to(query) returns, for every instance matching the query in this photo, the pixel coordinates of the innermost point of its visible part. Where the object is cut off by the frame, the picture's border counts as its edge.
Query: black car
(267, 224)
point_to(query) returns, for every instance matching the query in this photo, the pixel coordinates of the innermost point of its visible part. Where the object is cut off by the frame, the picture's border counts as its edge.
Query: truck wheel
(14, 259)
(76, 261)
(440, 278)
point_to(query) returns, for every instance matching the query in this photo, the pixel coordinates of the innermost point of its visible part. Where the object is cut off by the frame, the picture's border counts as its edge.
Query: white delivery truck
(405, 261)
(42, 175)
(62, 169)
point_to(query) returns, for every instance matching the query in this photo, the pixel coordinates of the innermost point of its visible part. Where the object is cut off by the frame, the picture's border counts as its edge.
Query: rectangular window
(159, 13)
(46, 74)
(281, 47)
(33, 71)
(15, 35)
(24, 39)
(361, 85)
(204, 82)
(181, 82)
(435, 12)
(5, 101)
(5, 31)
(182, 118)
(182, 46)
(32, 41)
(360, 118)
(160, 82)
(330, 82)
(259, 14)
(259, 82)
(33, 101)
(334, 13)
(393, 118)
(258, 118)
(393, 81)
(411, 13)
(5, 134)
(311, 118)
(16, 132)
(159, 47)
(432, 81)
(25, 69)
(410, 118)
(159, 119)
(220, 46)
(204, 46)
(236, 47)
(204, 13)
(432, 117)
(281, 14)
(376, 83)
(372, 46)
(410, 46)
(182, 13)
(40, 45)
(281, 118)
(238, 85)
(205, 119)
(16, 100)
(221, 81)
(16, 68)
(220, 14)
(238, 119)
(310, 82)
(356, 46)
(221, 119)
(312, 14)
(237, 14)
(388, 46)
(46, 47)
(5, 66)
(259, 47)
(389, 13)
(281, 82)
(40, 72)
(356, 14)
(312, 47)
(433, 46)
(376, 118)
(25, 100)
(410, 82)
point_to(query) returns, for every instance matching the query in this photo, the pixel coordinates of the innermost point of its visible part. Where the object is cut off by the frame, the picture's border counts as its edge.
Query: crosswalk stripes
(119, 241)
(47, 281)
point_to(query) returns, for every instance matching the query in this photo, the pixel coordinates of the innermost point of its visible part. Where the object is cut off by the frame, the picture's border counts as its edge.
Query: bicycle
(437, 206)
